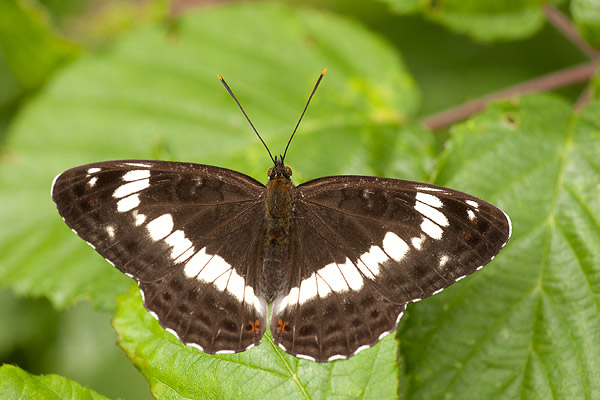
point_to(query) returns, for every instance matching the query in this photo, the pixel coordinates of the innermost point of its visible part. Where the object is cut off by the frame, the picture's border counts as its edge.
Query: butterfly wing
(364, 247)
(191, 235)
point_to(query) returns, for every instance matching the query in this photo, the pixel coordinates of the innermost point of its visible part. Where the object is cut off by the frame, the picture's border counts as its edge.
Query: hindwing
(363, 247)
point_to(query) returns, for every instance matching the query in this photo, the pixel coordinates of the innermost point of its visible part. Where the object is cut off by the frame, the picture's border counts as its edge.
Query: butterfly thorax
(279, 207)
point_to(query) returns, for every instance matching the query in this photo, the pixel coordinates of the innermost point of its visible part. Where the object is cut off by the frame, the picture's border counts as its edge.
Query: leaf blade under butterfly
(255, 374)
(531, 320)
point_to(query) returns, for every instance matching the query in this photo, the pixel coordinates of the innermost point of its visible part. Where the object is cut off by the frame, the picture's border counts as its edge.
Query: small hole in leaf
(511, 120)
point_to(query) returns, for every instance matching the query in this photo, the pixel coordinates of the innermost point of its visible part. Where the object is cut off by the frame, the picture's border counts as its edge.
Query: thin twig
(564, 25)
(565, 77)
(584, 98)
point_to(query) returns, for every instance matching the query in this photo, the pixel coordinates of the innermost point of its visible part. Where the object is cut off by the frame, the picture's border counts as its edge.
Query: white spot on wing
(92, 170)
(361, 348)
(136, 175)
(110, 230)
(186, 255)
(394, 246)
(199, 261)
(322, 286)
(471, 215)
(431, 213)
(131, 188)
(509, 226)
(371, 260)
(308, 289)
(430, 200)
(351, 275)
(291, 298)
(214, 269)
(160, 227)
(417, 242)
(128, 203)
(139, 218)
(431, 229)
(399, 317)
(384, 334)
(196, 345)
(179, 243)
(428, 188)
(443, 260)
(225, 352)
(138, 165)
(251, 298)
(237, 286)
(54, 183)
(337, 357)
(172, 332)
(305, 357)
(334, 278)
(92, 182)
(472, 203)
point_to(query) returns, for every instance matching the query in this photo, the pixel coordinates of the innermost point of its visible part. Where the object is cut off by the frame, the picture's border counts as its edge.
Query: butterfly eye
(288, 172)
(270, 173)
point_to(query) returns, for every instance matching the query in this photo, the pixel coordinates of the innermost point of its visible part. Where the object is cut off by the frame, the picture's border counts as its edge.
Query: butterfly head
(279, 170)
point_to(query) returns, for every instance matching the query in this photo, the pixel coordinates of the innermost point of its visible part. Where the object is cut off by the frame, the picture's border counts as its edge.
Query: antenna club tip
(220, 77)
(324, 70)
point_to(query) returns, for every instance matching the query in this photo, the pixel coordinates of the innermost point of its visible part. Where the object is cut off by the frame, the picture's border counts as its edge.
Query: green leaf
(28, 44)
(483, 20)
(586, 14)
(18, 384)
(527, 325)
(131, 103)
(177, 371)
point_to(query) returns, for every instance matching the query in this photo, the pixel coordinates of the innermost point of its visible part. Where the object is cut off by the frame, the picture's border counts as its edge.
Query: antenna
(252, 125)
(245, 115)
(304, 111)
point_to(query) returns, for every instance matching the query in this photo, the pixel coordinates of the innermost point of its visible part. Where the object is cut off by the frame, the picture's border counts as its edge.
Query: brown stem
(565, 77)
(584, 98)
(564, 25)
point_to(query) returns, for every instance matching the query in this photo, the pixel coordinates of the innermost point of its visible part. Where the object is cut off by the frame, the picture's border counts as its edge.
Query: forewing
(191, 235)
(364, 247)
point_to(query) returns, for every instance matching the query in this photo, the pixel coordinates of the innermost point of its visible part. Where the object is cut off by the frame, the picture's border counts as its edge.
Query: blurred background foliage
(452, 55)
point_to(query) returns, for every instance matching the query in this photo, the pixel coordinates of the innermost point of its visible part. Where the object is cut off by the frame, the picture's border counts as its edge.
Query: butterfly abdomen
(278, 214)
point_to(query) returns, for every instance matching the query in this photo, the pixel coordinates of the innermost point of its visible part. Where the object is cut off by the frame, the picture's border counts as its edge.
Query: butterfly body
(279, 206)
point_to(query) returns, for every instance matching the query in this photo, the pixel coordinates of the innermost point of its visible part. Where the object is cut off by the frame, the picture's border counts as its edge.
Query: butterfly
(338, 257)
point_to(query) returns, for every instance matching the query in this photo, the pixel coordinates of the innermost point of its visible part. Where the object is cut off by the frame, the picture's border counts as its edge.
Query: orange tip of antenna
(220, 77)
(323, 73)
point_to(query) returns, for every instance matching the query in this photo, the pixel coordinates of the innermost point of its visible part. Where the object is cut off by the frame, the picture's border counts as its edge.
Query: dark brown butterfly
(338, 257)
